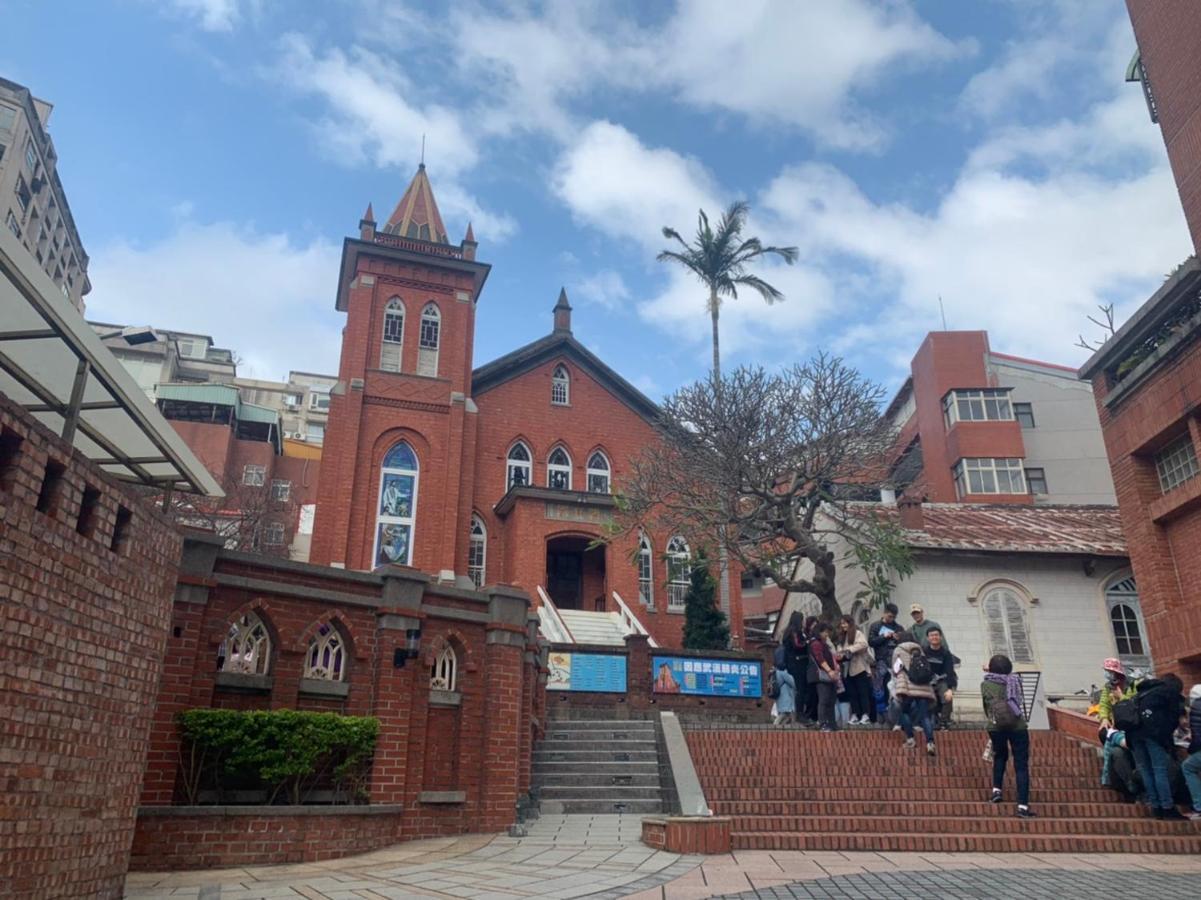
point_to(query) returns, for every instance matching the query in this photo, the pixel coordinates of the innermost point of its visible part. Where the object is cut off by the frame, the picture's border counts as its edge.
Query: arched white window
(646, 572)
(397, 510)
(394, 333)
(246, 648)
(477, 550)
(558, 470)
(1125, 617)
(678, 572)
(519, 466)
(427, 344)
(598, 473)
(560, 386)
(444, 671)
(1005, 619)
(326, 657)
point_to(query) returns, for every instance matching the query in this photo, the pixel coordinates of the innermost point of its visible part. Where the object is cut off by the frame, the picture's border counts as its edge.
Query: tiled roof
(1091, 530)
(416, 215)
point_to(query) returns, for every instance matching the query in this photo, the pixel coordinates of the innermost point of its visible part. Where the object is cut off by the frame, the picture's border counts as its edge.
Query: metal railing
(630, 622)
(550, 623)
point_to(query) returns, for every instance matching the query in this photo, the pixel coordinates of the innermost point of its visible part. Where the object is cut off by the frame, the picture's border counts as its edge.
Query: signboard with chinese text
(707, 677)
(599, 672)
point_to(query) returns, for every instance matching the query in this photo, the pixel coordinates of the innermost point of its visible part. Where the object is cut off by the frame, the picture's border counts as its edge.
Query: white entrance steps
(598, 766)
(603, 628)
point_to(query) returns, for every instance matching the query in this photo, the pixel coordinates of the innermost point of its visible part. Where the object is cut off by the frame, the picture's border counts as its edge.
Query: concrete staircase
(602, 628)
(861, 790)
(598, 766)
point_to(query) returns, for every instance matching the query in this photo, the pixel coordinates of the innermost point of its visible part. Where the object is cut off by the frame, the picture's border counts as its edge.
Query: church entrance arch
(575, 574)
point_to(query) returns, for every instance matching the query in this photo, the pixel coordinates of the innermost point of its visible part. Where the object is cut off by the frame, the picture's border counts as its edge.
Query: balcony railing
(417, 245)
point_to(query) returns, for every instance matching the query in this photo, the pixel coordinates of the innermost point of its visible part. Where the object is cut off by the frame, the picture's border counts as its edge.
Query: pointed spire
(367, 225)
(369, 216)
(416, 215)
(563, 312)
(470, 236)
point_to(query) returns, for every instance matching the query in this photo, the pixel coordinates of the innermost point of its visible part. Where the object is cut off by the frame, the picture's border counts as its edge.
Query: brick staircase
(861, 790)
(598, 766)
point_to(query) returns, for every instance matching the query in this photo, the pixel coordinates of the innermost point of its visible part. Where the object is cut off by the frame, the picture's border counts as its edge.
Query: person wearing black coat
(1192, 766)
(795, 644)
(1160, 706)
(882, 638)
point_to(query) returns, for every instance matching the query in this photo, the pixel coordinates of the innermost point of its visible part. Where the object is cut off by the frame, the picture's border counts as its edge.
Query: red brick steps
(862, 790)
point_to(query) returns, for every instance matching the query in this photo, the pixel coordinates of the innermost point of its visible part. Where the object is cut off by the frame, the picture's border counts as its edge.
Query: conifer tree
(705, 625)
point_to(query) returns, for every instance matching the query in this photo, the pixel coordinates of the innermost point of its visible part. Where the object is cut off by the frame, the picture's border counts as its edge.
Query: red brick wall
(1169, 39)
(1162, 531)
(82, 629)
(231, 836)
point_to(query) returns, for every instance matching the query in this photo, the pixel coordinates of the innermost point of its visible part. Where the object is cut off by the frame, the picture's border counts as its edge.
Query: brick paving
(600, 856)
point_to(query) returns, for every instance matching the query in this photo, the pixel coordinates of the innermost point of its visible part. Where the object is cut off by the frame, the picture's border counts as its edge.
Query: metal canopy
(55, 366)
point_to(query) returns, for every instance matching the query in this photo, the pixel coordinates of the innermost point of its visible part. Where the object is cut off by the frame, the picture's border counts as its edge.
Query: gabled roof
(561, 344)
(416, 215)
(1010, 528)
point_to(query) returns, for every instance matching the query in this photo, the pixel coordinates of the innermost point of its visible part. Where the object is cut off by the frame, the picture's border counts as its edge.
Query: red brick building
(1147, 377)
(500, 474)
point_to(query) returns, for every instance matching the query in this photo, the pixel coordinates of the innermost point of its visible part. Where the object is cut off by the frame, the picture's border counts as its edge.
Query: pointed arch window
(429, 338)
(1008, 628)
(445, 670)
(598, 473)
(396, 518)
(477, 552)
(246, 648)
(394, 333)
(326, 656)
(558, 470)
(560, 386)
(646, 572)
(678, 572)
(519, 466)
(1125, 618)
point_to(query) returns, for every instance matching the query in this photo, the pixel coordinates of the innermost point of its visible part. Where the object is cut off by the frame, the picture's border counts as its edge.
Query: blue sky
(216, 152)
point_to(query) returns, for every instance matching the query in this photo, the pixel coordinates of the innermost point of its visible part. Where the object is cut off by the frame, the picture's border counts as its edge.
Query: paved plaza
(601, 857)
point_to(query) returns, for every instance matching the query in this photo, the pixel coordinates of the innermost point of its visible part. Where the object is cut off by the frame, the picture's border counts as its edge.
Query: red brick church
(499, 474)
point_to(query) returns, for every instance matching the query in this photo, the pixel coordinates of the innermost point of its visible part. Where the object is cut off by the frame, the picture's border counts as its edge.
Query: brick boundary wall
(1074, 724)
(209, 837)
(86, 579)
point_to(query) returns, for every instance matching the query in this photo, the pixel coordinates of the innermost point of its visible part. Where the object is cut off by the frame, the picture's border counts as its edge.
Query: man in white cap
(922, 626)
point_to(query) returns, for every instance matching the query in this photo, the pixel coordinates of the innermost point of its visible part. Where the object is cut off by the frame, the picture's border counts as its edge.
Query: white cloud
(605, 288)
(213, 15)
(263, 296)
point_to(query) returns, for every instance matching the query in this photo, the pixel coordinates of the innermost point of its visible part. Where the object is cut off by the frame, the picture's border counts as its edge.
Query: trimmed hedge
(282, 751)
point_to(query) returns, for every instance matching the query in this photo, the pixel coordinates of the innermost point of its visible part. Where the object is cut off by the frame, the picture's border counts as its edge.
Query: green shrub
(284, 751)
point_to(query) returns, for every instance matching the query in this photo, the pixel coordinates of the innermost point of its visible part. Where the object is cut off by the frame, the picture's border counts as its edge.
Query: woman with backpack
(1117, 688)
(1159, 705)
(796, 657)
(1001, 692)
(855, 657)
(912, 678)
(783, 690)
(823, 674)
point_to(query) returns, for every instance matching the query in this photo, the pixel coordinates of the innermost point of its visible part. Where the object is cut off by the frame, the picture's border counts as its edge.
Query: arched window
(558, 470)
(678, 572)
(646, 572)
(427, 344)
(1008, 631)
(326, 657)
(394, 333)
(246, 648)
(598, 473)
(477, 549)
(560, 386)
(397, 513)
(444, 672)
(860, 613)
(1125, 617)
(519, 467)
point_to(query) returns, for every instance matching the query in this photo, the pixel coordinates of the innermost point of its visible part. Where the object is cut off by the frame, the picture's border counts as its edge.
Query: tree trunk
(713, 309)
(723, 555)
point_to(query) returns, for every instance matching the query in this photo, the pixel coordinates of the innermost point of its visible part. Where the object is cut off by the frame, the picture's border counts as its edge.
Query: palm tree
(719, 259)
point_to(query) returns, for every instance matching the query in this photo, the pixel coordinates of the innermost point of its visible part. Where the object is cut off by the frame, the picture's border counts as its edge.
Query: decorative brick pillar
(638, 671)
(401, 612)
(185, 642)
(503, 717)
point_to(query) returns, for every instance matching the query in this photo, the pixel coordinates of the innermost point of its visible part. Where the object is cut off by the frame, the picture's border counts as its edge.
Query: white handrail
(630, 622)
(551, 622)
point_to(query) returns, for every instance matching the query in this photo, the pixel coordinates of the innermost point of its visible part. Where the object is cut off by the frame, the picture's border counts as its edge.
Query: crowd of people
(1151, 737)
(899, 676)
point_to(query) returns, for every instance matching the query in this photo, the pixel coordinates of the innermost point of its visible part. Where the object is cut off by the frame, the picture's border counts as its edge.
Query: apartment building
(155, 356)
(979, 426)
(32, 200)
(302, 402)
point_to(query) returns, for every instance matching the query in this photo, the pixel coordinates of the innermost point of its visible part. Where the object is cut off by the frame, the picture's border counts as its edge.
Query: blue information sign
(709, 677)
(599, 672)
